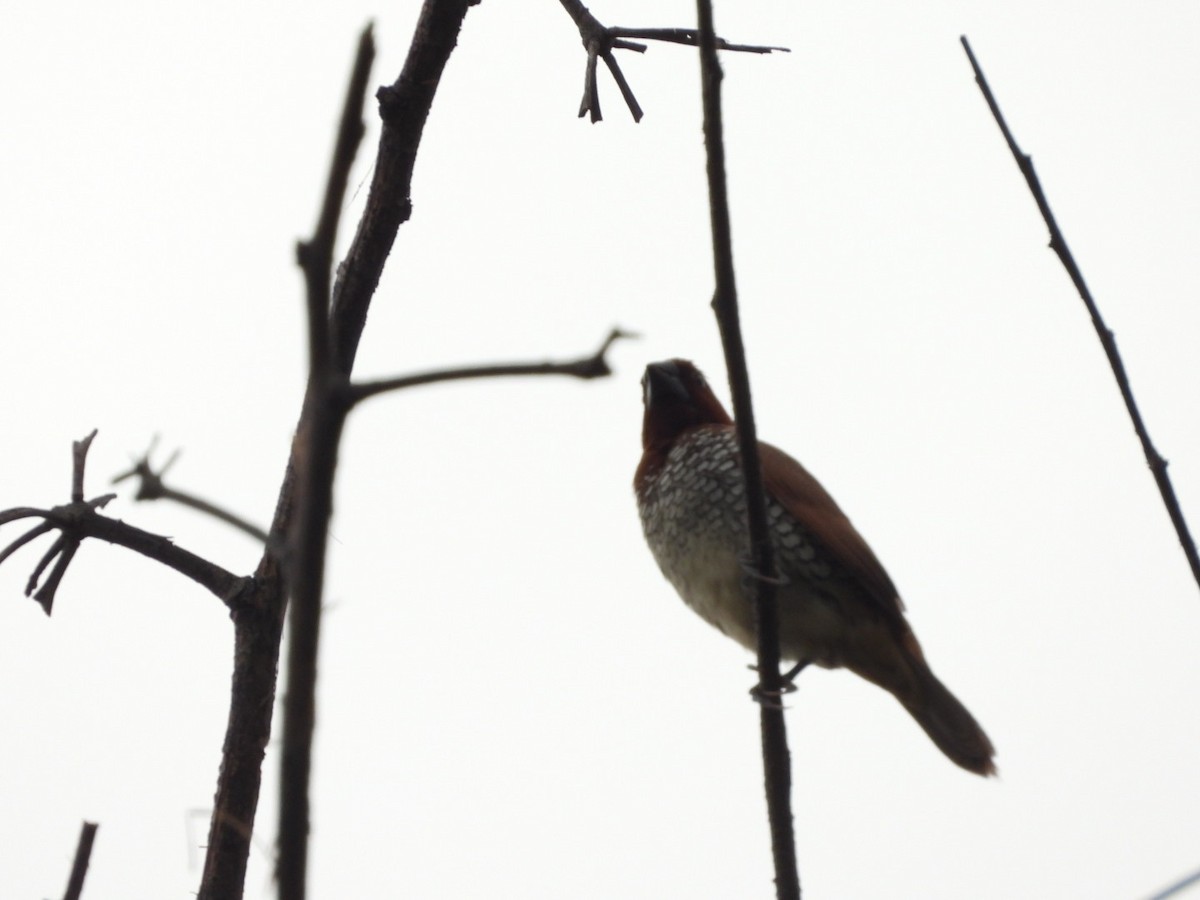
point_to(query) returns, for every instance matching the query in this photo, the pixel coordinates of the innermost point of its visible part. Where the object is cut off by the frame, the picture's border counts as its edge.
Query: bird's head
(677, 399)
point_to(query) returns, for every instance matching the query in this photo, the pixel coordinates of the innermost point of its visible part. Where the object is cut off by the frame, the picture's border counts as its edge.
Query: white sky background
(513, 701)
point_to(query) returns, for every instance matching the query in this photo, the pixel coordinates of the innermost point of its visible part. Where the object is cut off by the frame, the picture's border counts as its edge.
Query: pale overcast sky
(912, 340)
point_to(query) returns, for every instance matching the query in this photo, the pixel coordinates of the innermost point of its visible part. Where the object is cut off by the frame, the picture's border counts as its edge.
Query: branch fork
(600, 41)
(81, 519)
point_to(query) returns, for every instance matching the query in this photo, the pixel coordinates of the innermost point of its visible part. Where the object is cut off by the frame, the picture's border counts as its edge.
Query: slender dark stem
(315, 255)
(213, 510)
(65, 550)
(691, 37)
(776, 759)
(586, 367)
(81, 519)
(1178, 887)
(83, 855)
(152, 487)
(32, 534)
(635, 108)
(315, 456)
(317, 445)
(78, 521)
(79, 452)
(1058, 243)
(404, 108)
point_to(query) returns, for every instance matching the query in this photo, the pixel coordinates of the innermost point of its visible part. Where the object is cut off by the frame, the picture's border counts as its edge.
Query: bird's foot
(751, 574)
(787, 685)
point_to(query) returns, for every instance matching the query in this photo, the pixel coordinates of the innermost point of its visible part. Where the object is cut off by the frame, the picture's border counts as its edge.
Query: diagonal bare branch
(1058, 243)
(152, 487)
(83, 856)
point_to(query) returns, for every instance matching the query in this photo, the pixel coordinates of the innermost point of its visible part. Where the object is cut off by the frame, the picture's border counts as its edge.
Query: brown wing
(810, 504)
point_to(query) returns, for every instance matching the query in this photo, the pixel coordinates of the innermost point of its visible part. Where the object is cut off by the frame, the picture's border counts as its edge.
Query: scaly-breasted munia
(837, 605)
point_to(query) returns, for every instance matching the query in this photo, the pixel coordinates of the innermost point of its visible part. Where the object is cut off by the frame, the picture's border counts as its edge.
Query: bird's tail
(947, 721)
(899, 667)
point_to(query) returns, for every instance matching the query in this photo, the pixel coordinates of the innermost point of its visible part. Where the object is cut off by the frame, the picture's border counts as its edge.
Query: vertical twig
(776, 760)
(1058, 243)
(79, 452)
(83, 856)
(315, 456)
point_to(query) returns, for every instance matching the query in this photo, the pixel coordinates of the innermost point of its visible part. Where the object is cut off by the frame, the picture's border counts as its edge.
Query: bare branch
(600, 41)
(691, 37)
(404, 107)
(1058, 243)
(61, 552)
(1178, 887)
(586, 367)
(152, 487)
(776, 759)
(80, 519)
(83, 855)
(33, 533)
(315, 458)
(315, 255)
(79, 452)
(77, 521)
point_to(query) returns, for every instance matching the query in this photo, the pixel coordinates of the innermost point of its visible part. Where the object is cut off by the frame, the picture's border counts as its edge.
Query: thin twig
(599, 42)
(776, 759)
(404, 108)
(315, 255)
(78, 521)
(315, 457)
(152, 487)
(691, 38)
(79, 452)
(1058, 243)
(83, 855)
(586, 367)
(1178, 887)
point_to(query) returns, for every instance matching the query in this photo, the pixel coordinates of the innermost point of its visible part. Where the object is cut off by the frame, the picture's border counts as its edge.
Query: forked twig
(152, 487)
(600, 42)
(81, 519)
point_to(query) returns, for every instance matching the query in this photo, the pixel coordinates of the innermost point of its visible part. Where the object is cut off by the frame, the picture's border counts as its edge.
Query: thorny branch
(777, 769)
(1058, 243)
(600, 42)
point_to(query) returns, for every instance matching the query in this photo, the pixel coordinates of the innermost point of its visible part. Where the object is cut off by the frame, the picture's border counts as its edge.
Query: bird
(838, 608)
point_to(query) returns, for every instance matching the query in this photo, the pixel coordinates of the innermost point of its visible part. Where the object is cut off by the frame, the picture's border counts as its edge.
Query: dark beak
(664, 384)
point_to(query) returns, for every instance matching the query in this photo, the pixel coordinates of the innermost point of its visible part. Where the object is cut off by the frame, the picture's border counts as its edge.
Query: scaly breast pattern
(693, 513)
